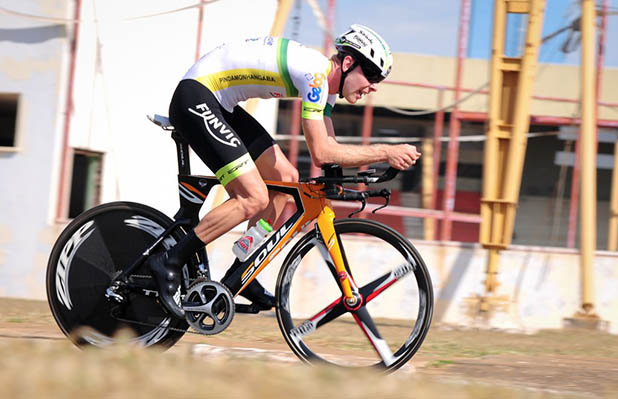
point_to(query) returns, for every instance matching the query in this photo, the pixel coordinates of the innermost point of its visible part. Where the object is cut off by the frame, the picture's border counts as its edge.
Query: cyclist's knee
(254, 204)
(293, 175)
(284, 171)
(250, 192)
(274, 165)
(289, 174)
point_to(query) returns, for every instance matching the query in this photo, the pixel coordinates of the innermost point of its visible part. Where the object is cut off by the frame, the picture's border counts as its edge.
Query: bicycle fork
(328, 234)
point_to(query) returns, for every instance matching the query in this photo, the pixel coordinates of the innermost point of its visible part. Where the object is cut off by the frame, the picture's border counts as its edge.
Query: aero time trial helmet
(368, 49)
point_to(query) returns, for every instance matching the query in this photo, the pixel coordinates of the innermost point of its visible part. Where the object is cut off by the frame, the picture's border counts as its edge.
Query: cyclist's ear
(347, 63)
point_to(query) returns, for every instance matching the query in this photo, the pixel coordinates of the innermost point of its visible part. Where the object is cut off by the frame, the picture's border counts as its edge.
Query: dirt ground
(567, 363)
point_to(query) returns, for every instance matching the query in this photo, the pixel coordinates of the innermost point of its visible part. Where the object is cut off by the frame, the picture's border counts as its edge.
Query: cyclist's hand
(402, 156)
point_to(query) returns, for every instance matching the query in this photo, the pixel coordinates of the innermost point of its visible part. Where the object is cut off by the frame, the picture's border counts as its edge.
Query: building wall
(125, 69)
(130, 68)
(33, 64)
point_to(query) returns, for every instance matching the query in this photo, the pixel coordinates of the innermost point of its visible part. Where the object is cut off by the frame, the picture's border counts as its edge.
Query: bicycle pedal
(251, 309)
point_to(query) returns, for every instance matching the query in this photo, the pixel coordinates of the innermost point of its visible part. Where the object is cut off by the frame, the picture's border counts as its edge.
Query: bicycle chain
(142, 323)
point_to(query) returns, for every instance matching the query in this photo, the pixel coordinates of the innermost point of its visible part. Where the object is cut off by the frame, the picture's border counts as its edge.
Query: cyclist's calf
(253, 204)
(250, 193)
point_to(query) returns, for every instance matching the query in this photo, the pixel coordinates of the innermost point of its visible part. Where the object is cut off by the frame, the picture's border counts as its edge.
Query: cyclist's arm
(311, 81)
(325, 149)
(330, 129)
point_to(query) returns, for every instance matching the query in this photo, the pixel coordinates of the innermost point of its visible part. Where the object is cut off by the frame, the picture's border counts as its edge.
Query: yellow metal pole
(521, 117)
(491, 211)
(588, 154)
(612, 239)
(281, 17)
(505, 148)
(492, 144)
(491, 279)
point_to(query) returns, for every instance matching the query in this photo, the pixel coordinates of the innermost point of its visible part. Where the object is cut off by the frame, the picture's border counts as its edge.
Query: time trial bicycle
(346, 286)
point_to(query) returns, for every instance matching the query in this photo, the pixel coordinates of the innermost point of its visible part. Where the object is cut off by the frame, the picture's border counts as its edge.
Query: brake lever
(364, 202)
(386, 193)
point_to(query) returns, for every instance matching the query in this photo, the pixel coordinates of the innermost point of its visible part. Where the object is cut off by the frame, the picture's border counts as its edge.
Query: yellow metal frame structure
(508, 121)
(588, 140)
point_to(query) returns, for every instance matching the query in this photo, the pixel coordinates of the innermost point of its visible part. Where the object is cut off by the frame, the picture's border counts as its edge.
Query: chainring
(209, 306)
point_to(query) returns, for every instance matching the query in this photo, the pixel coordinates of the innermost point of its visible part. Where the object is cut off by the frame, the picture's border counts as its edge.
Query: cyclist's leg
(197, 116)
(268, 157)
(224, 217)
(272, 165)
(248, 197)
(203, 123)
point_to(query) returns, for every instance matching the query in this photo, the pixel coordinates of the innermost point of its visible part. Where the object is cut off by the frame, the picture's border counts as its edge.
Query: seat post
(182, 152)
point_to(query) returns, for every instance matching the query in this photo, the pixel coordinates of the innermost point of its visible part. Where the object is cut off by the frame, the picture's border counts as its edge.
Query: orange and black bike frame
(309, 207)
(311, 204)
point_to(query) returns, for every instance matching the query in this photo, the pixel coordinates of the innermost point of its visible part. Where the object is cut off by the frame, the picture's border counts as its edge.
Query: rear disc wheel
(92, 250)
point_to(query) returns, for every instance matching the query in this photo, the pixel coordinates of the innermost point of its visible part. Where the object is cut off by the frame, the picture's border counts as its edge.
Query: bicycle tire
(317, 329)
(88, 254)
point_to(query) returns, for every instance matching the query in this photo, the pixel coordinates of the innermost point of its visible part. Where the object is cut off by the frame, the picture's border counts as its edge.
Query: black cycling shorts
(227, 142)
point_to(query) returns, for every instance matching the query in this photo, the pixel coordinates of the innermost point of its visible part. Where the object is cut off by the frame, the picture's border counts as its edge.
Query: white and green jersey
(266, 67)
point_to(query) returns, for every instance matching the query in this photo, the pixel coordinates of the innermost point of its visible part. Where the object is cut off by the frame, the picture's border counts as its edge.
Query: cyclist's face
(356, 84)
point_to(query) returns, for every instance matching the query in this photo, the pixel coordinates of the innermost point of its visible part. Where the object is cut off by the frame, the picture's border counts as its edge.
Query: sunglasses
(371, 72)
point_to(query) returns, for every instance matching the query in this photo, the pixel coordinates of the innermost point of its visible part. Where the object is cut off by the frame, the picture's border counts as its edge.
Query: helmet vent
(372, 53)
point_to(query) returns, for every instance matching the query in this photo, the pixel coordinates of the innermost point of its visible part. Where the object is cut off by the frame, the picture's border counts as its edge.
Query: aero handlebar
(365, 177)
(334, 180)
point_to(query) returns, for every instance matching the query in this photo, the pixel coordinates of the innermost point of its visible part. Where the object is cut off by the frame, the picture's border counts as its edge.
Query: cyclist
(205, 111)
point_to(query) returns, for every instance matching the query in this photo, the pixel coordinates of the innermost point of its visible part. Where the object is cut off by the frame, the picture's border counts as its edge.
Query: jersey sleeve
(309, 73)
(330, 103)
(314, 97)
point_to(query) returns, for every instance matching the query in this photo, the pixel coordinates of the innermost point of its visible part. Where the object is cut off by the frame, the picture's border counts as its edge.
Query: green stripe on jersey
(282, 64)
(328, 110)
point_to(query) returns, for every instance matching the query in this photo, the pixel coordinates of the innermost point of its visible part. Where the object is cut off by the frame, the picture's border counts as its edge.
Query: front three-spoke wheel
(394, 285)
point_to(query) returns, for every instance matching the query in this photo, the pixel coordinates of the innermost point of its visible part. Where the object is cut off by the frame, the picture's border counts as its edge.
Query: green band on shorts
(234, 169)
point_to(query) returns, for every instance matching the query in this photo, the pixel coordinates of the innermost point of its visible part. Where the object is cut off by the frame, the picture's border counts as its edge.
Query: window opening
(8, 118)
(86, 181)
